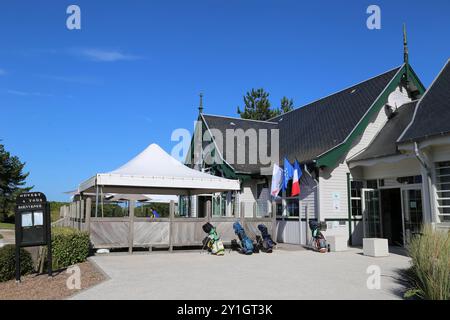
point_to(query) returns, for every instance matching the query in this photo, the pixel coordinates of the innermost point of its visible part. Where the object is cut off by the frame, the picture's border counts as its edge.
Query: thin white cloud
(28, 94)
(18, 93)
(92, 54)
(106, 55)
(88, 80)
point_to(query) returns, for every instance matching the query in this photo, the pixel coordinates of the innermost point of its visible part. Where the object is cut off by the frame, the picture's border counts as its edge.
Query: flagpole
(307, 231)
(299, 211)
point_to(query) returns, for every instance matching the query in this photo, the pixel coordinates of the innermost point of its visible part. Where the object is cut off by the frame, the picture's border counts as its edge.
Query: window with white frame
(443, 190)
(355, 197)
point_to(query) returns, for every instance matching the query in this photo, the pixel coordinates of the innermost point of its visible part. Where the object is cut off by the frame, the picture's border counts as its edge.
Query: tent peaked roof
(154, 171)
(154, 161)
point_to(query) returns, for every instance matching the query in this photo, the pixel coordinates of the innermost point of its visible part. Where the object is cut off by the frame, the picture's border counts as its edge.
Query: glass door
(371, 213)
(412, 212)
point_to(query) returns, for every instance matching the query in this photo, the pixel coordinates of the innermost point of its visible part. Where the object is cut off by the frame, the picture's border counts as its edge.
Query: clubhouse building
(375, 160)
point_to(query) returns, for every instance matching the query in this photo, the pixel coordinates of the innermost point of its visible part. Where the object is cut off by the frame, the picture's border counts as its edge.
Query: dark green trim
(330, 158)
(341, 219)
(295, 218)
(191, 147)
(223, 168)
(412, 76)
(349, 190)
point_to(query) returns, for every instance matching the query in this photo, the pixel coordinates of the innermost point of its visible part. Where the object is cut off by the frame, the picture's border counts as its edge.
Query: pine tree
(12, 180)
(257, 106)
(286, 105)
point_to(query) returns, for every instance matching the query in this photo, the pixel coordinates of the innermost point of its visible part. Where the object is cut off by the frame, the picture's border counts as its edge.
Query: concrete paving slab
(280, 275)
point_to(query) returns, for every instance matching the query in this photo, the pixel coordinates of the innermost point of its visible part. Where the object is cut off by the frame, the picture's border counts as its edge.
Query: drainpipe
(349, 210)
(318, 215)
(419, 157)
(425, 168)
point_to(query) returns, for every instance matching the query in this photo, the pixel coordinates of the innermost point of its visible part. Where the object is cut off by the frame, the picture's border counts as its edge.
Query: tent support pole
(189, 213)
(274, 220)
(131, 205)
(171, 219)
(101, 196)
(87, 218)
(96, 202)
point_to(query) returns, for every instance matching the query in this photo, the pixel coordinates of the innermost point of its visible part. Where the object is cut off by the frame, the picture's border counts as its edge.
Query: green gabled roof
(332, 156)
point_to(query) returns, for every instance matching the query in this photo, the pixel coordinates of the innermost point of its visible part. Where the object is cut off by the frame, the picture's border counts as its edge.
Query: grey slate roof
(311, 130)
(223, 123)
(433, 111)
(385, 143)
(314, 129)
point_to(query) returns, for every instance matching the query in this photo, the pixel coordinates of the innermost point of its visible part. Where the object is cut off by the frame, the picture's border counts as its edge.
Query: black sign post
(33, 226)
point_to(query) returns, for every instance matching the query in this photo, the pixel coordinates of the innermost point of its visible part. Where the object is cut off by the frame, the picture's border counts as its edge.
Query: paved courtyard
(285, 274)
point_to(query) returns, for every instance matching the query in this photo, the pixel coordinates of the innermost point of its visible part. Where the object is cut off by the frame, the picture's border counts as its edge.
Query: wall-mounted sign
(32, 225)
(336, 196)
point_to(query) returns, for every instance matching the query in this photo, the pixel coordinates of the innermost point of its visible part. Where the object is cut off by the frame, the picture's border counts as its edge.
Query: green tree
(12, 180)
(286, 105)
(257, 106)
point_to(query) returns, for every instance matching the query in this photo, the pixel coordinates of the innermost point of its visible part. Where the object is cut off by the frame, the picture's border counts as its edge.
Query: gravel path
(8, 237)
(44, 288)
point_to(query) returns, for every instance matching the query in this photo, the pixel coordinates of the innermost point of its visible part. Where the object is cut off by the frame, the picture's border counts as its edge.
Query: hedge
(8, 262)
(69, 246)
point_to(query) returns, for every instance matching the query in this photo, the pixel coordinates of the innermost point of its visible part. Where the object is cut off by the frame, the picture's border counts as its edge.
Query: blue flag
(288, 173)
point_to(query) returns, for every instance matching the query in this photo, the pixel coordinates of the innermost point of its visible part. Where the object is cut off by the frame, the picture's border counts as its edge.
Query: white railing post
(308, 233)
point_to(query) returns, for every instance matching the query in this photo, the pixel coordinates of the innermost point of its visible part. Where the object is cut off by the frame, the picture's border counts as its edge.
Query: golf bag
(212, 242)
(265, 243)
(318, 238)
(246, 244)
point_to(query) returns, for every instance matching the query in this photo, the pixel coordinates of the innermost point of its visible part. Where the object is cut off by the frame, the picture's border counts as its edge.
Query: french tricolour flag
(296, 179)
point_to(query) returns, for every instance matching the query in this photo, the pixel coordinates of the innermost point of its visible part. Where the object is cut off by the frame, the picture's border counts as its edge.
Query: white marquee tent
(148, 198)
(152, 176)
(154, 171)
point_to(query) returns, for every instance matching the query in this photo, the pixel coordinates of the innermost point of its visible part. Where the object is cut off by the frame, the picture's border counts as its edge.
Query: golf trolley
(317, 241)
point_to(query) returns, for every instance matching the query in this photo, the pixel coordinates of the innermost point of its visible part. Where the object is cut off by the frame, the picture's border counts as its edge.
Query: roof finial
(200, 107)
(405, 46)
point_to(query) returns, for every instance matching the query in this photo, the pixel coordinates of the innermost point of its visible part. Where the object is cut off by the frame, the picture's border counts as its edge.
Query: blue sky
(73, 103)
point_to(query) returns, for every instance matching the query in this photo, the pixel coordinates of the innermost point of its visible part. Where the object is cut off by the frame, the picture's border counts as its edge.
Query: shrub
(69, 246)
(8, 262)
(430, 270)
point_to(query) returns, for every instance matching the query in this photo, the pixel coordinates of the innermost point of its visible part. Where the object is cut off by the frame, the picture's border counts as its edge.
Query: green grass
(1, 237)
(429, 275)
(9, 226)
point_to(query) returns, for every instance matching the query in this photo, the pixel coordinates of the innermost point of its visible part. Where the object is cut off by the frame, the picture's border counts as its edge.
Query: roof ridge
(338, 92)
(241, 119)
